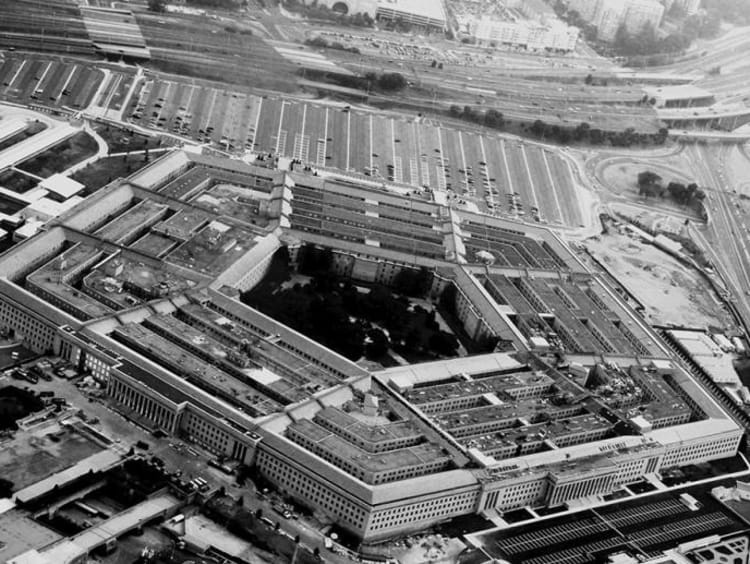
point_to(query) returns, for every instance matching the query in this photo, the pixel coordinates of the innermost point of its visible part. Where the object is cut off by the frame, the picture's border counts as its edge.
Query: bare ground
(670, 292)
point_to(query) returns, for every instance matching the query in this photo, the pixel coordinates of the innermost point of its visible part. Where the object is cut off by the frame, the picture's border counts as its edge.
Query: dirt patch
(670, 292)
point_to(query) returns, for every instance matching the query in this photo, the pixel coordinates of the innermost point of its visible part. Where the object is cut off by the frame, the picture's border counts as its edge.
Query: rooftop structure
(61, 186)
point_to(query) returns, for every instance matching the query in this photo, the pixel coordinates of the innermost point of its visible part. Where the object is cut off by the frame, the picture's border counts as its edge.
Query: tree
(378, 345)
(392, 81)
(157, 5)
(649, 184)
(589, 79)
(443, 343)
(6, 488)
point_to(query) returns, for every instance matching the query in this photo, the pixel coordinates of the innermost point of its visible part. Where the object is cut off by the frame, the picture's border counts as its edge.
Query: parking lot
(42, 81)
(501, 176)
(647, 525)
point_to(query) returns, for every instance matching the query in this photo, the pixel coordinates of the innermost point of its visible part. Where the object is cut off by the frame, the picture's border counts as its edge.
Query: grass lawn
(32, 129)
(104, 171)
(16, 181)
(121, 140)
(62, 156)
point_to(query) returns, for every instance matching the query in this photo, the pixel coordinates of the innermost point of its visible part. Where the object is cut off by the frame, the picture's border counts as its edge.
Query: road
(727, 235)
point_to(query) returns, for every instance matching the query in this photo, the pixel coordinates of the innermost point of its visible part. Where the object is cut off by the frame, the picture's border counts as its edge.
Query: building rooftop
(57, 277)
(480, 384)
(153, 244)
(127, 281)
(132, 221)
(373, 433)
(196, 370)
(341, 452)
(20, 533)
(214, 248)
(61, 185)
(297, 376)
(184, 223)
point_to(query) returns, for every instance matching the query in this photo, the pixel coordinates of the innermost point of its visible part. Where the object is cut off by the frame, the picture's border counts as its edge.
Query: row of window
(36, 334)
(309, 489)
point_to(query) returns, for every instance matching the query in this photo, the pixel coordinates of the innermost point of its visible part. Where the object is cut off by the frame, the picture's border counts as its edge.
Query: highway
(727, 241)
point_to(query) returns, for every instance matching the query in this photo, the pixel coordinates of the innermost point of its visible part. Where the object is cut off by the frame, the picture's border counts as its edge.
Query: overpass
(724, 117)
(728, 137)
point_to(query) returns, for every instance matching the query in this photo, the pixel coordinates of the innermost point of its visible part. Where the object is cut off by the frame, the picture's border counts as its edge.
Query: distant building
(414, 12)
(690, 7)
(533, 35)
(609, 15)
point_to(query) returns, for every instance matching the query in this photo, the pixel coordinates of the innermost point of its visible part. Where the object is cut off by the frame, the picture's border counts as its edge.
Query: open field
(670, 292)
(16, 181)
(621, 176)
(61, 156)
(105, 170)
(502, 176)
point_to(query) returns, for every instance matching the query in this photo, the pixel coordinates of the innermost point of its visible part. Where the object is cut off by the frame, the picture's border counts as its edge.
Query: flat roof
(198, 371)
(430, 10)
(478, 384)
(51, 278)
(61, 185)
(406, 377)
(374, 433)
(97, 462)
(132, 220)
(297, 377)
(20, 533)
(214, 248)
(339, 447)
(127, 281)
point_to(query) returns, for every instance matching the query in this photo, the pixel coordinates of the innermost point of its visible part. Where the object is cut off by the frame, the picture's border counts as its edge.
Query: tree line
(650, 185)
(584, 133)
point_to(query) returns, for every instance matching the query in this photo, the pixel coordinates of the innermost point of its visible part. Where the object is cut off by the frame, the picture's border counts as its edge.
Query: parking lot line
(210, 109)
(278, 132)
(531, 180)
(67, 81)
(323, 147)
(348, 138)
(15, 76)
(371, 147)
(41, 78)
(257, 122)
(553, 186)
